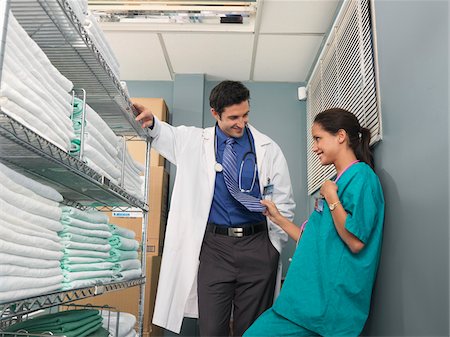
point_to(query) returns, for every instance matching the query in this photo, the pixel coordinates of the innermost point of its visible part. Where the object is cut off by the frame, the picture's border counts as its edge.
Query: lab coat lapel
(260, 147)
(209, 155)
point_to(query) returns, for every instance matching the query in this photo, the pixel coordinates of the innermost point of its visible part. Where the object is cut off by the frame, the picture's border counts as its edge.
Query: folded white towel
(32, 228)
(27, 204)
(11, 283)
(38, 188)
(28, 262)
(82, 275)
(97, 122)
(92, 132)
(71, 260)
(87, 266)
(85, 253)
(83, 238)
(102, 159)
(68, 220)
(86, 232)
(126, 324)
(85, 283)
(128, 275)
(31, 122)
(22, 95)
(25, 236)
(29, 217)
(91, 216)
(38, 54)
(127, 265)
(86, 246)
(26, 251)
(12, 270)
(124, 232)
(9, 296)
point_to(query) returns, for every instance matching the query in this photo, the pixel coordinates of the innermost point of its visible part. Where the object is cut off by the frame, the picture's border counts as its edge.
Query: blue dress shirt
(225, 210)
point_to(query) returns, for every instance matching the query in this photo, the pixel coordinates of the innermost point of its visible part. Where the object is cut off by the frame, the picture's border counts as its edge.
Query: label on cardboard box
(127, 214)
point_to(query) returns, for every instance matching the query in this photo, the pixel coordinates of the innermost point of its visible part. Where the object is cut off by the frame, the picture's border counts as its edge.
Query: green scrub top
(328, 288)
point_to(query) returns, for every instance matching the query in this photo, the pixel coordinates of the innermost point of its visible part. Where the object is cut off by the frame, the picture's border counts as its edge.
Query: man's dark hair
(227, 93)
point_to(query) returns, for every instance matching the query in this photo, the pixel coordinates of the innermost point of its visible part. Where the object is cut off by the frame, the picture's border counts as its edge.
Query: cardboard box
(159, 109)
(127, 300)
(158, 212)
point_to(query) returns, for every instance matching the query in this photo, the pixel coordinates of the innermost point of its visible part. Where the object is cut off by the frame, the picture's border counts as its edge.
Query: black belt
(237, 232)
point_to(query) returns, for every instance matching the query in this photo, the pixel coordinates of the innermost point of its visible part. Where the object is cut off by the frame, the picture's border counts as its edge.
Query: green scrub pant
(270, 324)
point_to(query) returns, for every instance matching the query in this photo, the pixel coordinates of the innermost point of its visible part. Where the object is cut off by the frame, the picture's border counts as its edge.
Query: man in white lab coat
(221, 255)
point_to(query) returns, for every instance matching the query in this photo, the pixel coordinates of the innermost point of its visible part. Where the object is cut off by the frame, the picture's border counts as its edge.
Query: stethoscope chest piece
(218, 167)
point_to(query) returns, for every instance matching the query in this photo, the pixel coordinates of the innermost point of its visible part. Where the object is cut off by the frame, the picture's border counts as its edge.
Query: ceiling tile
(297, 16)
(285, 58)
(139, 54)
(218, 55)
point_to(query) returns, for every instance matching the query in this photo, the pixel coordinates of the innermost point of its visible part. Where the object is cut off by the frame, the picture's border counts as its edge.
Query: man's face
(234, 119)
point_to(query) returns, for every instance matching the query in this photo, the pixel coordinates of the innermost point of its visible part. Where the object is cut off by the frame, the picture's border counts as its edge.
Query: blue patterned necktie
(230, 176)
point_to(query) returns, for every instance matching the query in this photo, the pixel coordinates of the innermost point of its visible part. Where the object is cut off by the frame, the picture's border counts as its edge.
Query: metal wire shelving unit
(56, 29)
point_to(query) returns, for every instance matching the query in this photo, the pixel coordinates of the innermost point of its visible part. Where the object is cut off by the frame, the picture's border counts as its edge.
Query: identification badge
(318, 205)
(268, 191)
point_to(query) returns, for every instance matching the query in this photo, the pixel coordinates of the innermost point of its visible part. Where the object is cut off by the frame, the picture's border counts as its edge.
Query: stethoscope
(219, 168)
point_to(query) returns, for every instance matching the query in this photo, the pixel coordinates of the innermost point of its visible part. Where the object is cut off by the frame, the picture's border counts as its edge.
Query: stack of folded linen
(124, 253)
(96, 34)
(103, 150)
(119, 324)
(100, 144)
(33, 91)
(70, 323)
(30, 249)
(85, 237)
(133, 182)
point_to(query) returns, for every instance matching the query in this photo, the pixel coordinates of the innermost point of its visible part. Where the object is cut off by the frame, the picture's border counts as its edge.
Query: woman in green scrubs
(329, 283)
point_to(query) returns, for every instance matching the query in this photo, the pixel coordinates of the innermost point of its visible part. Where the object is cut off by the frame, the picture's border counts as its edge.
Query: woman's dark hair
(227, 93)
(335, 119)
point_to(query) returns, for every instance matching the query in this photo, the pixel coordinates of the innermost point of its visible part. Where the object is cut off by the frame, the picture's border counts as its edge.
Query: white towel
(29, 217)
(86, 246)
(97, 122)
(30, 205)
(9, 296)
(85, 253)
(26, 251)
(68, 220)
(127, 323)
(91, 216)
(88, 266)
(12, 270)
(124, 232)
(83, 275)
(70, 260)
(86, 232)
(11, 283)
(33, 229)
(22, 95)
(39, 55)
(28, 262)
(98, 158)
(83, 238)
(127, 265)
(92, 132)
(31, 122)
(128, 275)
(85, 283)
(36, 187)
(24, 236)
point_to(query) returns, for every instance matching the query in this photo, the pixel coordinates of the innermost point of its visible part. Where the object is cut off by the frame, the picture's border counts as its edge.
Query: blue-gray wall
(411, 297)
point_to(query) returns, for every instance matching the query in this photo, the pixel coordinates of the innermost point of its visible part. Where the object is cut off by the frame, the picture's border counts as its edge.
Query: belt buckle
(236, 232)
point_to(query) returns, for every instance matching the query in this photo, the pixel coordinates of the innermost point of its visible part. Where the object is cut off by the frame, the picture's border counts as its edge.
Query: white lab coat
(191, 149)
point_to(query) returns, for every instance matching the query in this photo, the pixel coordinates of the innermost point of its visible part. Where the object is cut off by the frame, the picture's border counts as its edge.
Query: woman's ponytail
(362, 148)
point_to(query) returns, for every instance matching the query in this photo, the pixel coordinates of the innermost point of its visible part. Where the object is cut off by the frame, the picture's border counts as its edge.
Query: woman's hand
(272, 211)
(329, 191)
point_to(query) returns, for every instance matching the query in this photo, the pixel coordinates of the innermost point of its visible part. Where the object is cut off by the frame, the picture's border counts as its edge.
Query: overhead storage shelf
(22, 307)
(54, 26)
(34, 155)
